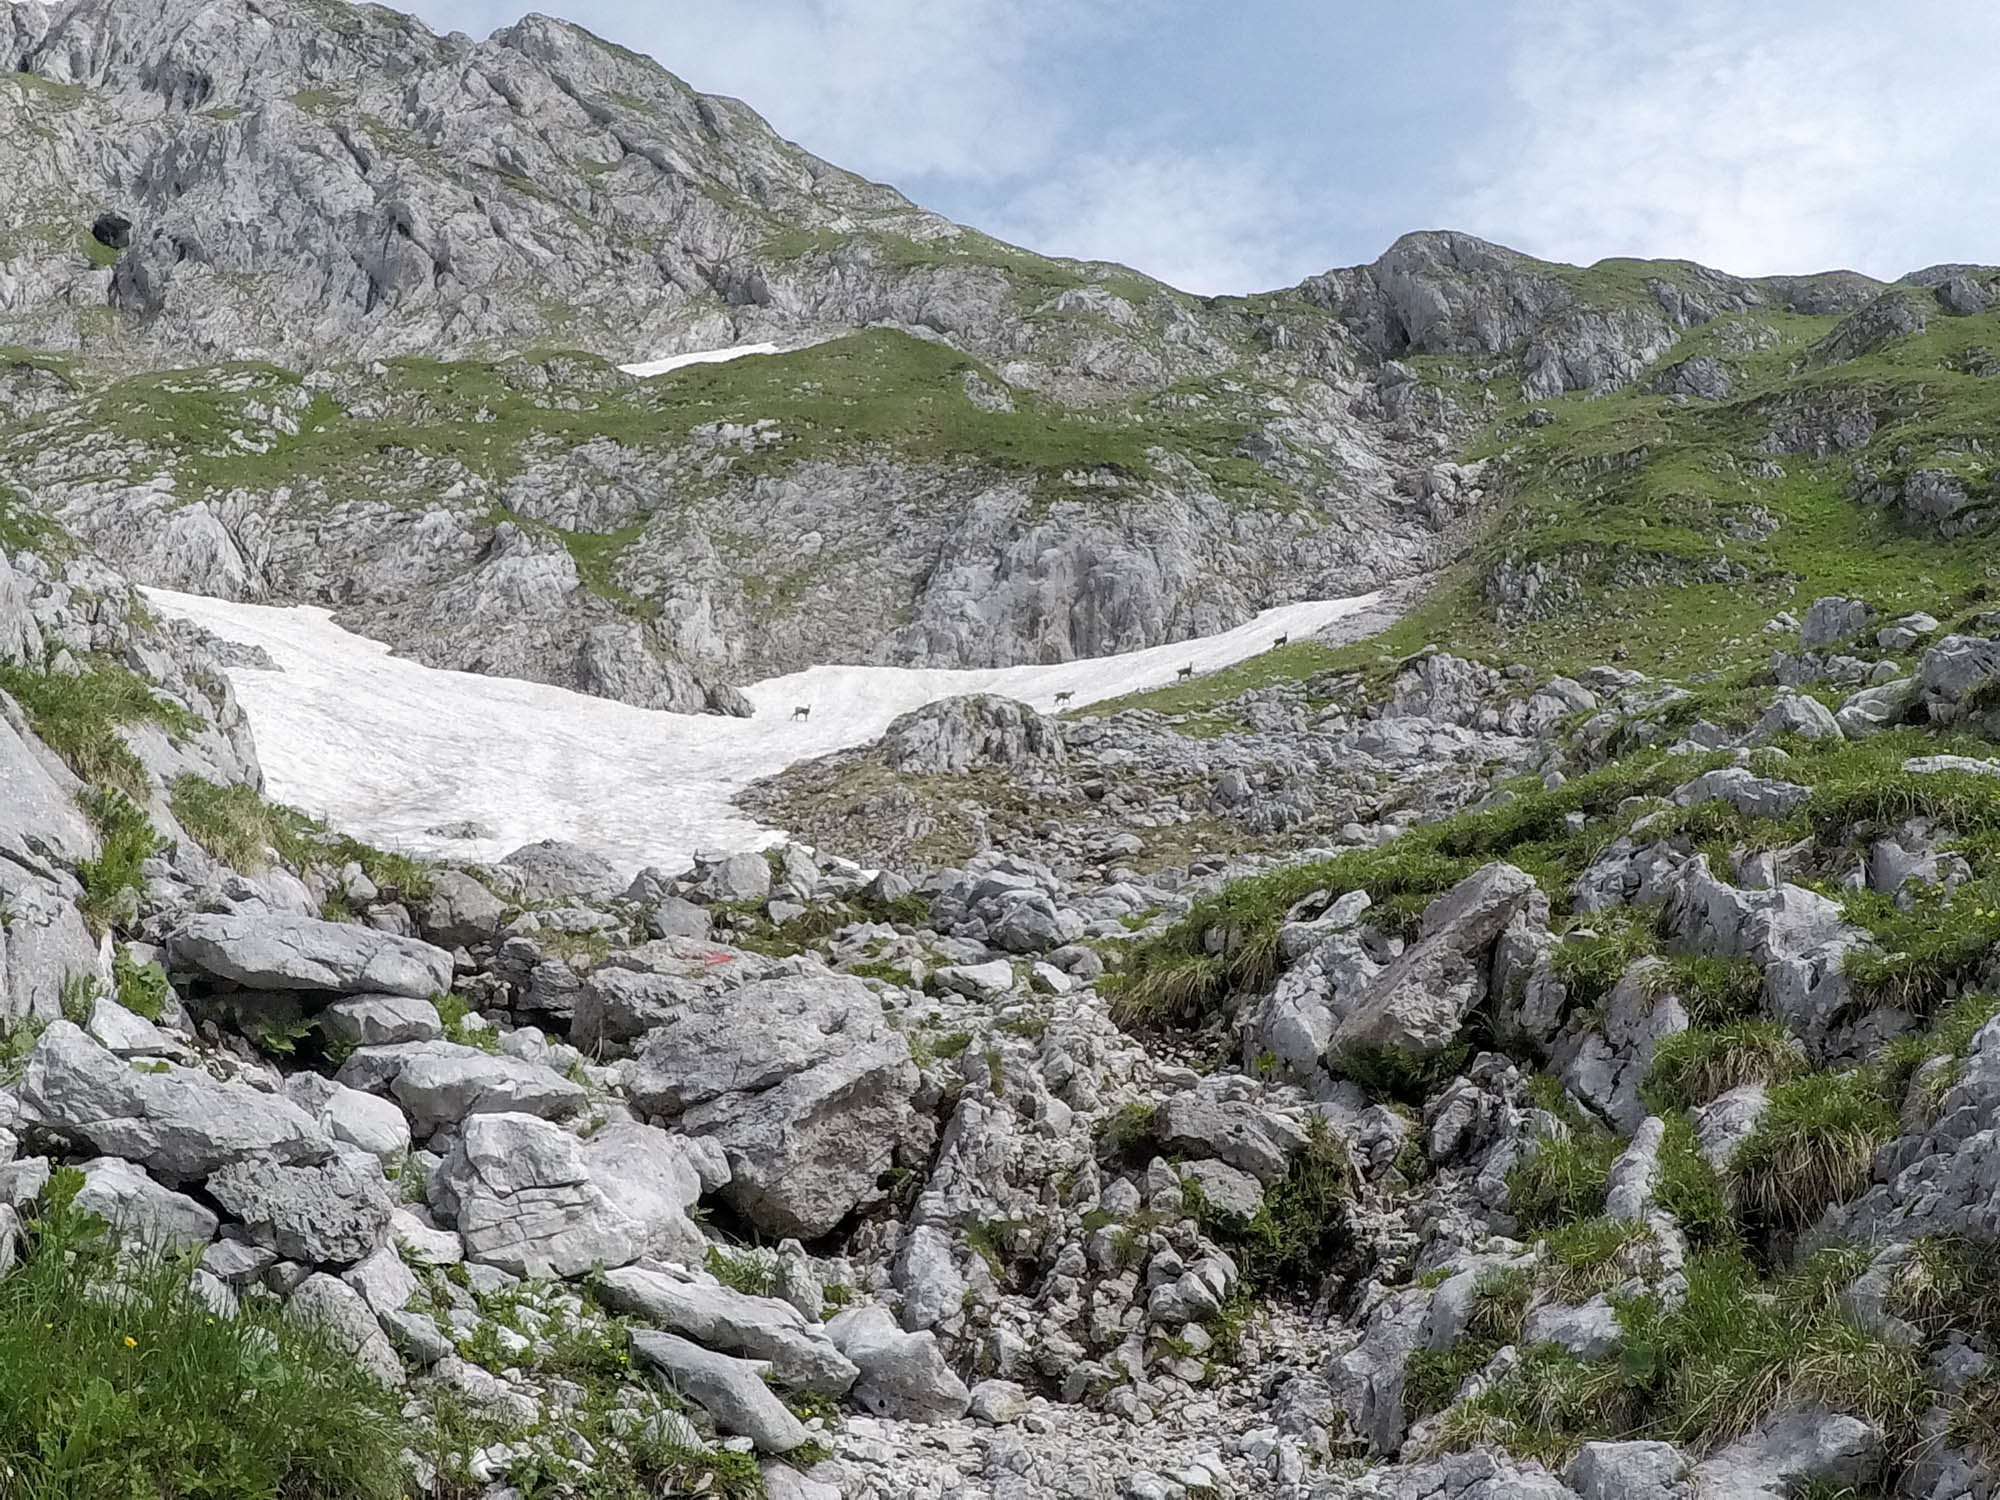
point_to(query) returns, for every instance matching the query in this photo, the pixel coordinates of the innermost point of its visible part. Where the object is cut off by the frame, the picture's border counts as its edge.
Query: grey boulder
(801, 1355)
(732, 1391)
(334, 1213)
(272, 951)
(903, 1375)
(124, 1197)
(799, 1080)
(441, 1083)
(1416, 1005)
(522, 1198)
(380, 1021)
(178, 1122)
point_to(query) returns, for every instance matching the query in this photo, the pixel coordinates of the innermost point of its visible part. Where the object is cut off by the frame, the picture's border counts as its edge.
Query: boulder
(1955, 671)
(1793, 713)
(441, 1083)
(459, 912)
(271, 951)
(800, 1081)
(124, 1197)
(731, 1391)
(1832, 622)
(180, 1123)
(344, 1316)
(904, 1376)
(1630, 1471)
(676, 918)
(522, 1198)
(957, 735)
(336, 1212)
(656, 1179)
(1415, 1006)
(1795, 1448)
(1878, 708)
(349, 1116)
(800, 1354)
(736, 879)
(552, 871)
(1752, 795)
(379, 1020)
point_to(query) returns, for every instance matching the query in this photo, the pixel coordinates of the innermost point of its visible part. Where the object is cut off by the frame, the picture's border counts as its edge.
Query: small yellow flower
(130, 1342)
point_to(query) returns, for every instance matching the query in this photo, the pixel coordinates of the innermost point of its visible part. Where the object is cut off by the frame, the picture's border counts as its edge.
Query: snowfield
(386, 749)
(673, 362)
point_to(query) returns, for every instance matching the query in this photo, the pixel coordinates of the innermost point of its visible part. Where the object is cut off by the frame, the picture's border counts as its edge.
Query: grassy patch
(1811, 1149)
(1692, 1067)
(233, 823)
(126, 840)
(145, 1391)
(1300, 1234)
(79, 718)
(1701, 1372)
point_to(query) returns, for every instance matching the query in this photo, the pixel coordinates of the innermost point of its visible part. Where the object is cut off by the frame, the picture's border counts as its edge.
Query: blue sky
(1228, 148)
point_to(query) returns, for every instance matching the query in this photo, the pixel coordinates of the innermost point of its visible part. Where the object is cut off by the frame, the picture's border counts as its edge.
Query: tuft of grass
(1812, 1148)
(1713, 991)
(1586, 1257)
(126, 840)
(1564, 1180)
(1950, 1037)
(232, 823)
(1692, 1067)
(117, 1381)
(750, 1274)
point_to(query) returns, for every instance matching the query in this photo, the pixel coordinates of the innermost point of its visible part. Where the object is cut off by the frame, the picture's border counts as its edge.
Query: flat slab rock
(285, 952)
(179, 1122)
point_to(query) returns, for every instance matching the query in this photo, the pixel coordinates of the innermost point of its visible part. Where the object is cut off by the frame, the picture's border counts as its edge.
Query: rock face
(800, 1083)
(299, 953)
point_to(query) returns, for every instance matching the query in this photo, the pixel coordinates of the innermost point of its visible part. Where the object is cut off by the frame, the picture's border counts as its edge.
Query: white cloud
(1757, 139)
(1209, 223)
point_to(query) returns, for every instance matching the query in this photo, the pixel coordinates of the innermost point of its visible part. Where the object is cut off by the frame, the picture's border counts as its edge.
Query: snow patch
(385, 748)
(674, 362)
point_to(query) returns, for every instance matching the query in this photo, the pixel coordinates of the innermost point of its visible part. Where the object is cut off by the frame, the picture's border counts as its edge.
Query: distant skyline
(1234, 149)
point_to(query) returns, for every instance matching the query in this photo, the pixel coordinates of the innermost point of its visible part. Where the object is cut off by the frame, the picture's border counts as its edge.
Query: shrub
(116, 1381)
(1812, 1148)
(142, 988)
(1692, 1067)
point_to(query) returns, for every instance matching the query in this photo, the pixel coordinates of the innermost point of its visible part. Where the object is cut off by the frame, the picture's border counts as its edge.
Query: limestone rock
(287, 952)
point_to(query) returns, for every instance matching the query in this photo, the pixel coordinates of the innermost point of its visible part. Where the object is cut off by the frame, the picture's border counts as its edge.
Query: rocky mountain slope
(1542, 1050)
(389, 273)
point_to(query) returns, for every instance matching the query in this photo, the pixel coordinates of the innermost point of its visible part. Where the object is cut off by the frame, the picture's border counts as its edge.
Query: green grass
(112, 878)
(750, 1274)
(1300, 1234)
(79, 718)
(1692, 1067)
(1811, 1148)
(233, 823)
(142, 988)
(146, 1392)
(1703, 1371)
(1187, 976)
